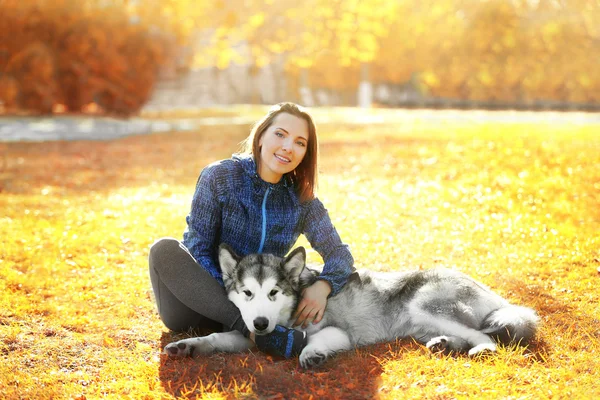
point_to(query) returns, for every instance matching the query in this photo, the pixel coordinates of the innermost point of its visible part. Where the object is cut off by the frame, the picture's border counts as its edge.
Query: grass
(516, 206)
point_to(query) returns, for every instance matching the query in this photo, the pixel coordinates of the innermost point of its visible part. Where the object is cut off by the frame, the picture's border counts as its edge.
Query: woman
(256, 202)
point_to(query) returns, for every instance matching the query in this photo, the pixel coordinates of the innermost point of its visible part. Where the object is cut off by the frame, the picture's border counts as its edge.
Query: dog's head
(264, 287)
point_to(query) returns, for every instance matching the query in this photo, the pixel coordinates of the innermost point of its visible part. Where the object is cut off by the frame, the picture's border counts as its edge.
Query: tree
(72, 54)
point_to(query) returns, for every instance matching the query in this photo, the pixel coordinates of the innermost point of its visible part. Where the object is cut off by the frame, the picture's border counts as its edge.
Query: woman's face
(282, 146)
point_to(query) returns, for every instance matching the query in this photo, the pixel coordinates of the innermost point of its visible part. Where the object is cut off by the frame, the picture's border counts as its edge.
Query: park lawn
(517, 206)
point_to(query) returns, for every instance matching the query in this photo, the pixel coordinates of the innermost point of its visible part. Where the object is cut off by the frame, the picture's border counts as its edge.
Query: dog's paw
(312, 358)
(182, 348)
(439, 344)
(482, 349)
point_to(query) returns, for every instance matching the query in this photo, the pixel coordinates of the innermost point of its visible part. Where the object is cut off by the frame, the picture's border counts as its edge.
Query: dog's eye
(248, 293)
(273, 292)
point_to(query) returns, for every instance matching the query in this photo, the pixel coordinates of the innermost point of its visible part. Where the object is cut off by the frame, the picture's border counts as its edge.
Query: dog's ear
(228, 260)
(293, 265)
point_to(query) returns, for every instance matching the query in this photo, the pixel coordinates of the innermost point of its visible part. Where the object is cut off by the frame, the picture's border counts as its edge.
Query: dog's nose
(261, 323)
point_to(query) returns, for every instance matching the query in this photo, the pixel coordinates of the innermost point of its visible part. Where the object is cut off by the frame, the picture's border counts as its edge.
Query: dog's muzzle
(261, 324)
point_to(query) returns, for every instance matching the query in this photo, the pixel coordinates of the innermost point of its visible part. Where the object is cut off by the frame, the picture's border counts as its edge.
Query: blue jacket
(233, 205)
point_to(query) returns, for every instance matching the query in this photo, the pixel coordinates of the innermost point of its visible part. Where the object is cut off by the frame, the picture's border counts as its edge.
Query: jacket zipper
(264, 221)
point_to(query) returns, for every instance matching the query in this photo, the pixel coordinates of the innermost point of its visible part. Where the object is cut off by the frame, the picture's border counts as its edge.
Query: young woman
(259, 201)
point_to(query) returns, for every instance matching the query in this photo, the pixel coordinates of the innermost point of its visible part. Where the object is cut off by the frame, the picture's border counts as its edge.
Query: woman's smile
(282, 159)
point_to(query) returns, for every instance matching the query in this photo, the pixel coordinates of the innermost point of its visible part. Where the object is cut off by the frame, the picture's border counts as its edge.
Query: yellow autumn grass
(515, 205)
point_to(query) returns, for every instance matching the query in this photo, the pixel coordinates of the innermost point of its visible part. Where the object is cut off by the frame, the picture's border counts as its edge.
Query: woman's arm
(204, 223)
(339, 264)
(324, 238)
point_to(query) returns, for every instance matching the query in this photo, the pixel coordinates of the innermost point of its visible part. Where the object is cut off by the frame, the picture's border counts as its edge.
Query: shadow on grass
(558, 317)
(355, 374)
(350, 375)
(81, 167)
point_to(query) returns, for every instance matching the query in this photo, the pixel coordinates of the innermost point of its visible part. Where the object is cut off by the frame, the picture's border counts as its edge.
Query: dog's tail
(511, 324)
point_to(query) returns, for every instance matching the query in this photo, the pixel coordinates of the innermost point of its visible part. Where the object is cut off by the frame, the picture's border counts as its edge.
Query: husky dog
(443, 309)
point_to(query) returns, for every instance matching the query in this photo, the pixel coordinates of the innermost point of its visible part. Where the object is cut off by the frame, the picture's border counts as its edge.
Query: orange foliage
(65, 55)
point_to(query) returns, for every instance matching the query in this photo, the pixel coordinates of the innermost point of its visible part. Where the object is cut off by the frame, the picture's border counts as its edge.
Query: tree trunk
(365, 88)
(306, 95)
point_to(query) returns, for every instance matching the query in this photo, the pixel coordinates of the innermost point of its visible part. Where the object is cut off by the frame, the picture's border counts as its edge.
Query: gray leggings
(187, 296)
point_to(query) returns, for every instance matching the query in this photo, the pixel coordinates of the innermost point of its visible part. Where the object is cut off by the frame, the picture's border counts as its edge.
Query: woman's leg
(187, 296)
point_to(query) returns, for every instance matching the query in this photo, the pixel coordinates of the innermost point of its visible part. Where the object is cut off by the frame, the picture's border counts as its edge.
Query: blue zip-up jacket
(233, 205)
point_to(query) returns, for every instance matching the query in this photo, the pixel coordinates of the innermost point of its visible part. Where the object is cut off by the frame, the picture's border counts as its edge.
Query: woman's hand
(312, 305)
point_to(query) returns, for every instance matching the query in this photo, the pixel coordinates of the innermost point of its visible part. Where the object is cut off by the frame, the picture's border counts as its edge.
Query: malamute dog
(443, 309)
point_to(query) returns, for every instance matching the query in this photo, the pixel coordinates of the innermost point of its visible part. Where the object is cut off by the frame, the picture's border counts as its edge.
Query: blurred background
(118, 57)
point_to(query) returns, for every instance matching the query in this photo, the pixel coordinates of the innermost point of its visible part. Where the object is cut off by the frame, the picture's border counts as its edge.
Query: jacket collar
(249, 166)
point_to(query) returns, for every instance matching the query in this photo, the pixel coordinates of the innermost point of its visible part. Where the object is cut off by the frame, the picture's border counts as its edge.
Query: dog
(445, 310)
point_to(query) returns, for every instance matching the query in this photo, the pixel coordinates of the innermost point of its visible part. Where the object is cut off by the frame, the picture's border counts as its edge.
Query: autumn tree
(70, 54)
(507, 51)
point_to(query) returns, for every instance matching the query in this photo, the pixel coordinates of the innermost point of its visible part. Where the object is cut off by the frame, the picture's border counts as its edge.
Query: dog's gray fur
(443, 309)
